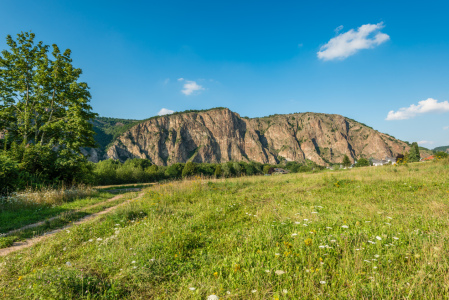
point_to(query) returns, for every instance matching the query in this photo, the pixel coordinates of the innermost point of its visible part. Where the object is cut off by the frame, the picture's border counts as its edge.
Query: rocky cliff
(220, 135)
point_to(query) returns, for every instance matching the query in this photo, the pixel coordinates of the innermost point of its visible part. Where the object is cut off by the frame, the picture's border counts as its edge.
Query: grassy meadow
(365, 233)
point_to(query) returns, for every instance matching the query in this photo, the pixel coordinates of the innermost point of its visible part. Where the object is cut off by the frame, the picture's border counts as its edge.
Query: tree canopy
(346, 162)
(414, 155)
(41, 100)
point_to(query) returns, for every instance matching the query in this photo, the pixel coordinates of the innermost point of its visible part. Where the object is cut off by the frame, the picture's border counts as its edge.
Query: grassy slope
(229, 237)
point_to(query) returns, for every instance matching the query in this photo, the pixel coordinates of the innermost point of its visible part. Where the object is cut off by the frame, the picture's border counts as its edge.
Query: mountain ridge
(219, 135)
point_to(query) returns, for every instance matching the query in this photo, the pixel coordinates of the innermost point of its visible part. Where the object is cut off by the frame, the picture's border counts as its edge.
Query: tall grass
(46, 196)
(367, 233)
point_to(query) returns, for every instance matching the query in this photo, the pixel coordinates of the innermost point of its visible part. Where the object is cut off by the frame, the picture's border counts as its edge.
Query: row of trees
(141, 170)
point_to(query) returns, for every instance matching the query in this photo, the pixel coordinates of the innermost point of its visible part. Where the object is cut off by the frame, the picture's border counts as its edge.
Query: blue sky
(383, 63)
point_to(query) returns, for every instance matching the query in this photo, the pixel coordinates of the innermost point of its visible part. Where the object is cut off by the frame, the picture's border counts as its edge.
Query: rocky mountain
(220, 135)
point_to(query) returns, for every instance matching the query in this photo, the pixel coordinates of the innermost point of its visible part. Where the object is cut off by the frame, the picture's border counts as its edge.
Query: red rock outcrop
(220, 135)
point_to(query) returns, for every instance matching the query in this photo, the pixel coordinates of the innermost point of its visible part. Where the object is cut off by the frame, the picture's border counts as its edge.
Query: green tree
(189, 169)
(9, 174)
(362, 162)
(441, 155)
(267, 169)
(218, 171)
(413, 155)
(175, 170)
(346, 162)
(41, 100)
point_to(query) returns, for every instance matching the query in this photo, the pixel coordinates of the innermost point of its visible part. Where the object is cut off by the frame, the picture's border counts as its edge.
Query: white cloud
(424, 107)
(445, 127)
(165, 111)
(348, 43)
(180, 79)
(338, 29)
(166, 81)
(425, 142)
(190, 87)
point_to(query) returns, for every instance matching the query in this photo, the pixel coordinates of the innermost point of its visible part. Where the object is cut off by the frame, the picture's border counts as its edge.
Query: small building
(280, 171)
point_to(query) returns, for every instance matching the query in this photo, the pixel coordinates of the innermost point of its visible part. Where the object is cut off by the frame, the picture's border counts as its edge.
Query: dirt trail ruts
(32, 241)
(75, 211)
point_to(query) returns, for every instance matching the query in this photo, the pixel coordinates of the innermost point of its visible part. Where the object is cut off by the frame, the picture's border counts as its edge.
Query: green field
(366, 233)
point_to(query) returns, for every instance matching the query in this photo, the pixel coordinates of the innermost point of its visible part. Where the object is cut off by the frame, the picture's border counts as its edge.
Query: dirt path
(32, 241)
(75, 211)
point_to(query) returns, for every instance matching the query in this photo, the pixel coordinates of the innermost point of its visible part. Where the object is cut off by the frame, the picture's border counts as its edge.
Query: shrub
(362, 162)
(9, 174)
(218, 171)
(189, 169)
(175, 170)
(237, 168)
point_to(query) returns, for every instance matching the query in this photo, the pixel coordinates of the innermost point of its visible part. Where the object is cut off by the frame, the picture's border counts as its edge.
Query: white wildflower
(212, 297)
(279, 272)
(345, 226)
(192, 288)
(378, 238)
(323, 282)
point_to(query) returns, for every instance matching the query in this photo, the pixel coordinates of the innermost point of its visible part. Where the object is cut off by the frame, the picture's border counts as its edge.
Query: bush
(105, 172)
(189, 169)
(175, 170)
(250, 169)
(206, 169)
(237, 168)
(267, 169)
(362, 162)
(218, 171)
(441, 155)
(9, 174)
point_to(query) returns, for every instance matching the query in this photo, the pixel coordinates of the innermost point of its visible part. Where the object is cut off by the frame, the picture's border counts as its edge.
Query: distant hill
(424, 152)
(442, 148)
(220, 135)
(108, 129)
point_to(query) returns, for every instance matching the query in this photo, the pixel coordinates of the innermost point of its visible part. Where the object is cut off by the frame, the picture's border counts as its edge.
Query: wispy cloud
(425, 142)
(338, 29)
(445, 127)
(424, 107)
(165, 111)
(190, 87)
(348, 43)
(180, 79)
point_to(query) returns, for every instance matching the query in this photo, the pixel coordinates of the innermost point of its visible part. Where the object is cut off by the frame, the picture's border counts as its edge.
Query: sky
(382, 63)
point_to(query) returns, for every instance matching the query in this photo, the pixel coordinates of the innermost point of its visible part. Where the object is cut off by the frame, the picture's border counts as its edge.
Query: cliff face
(220, 135)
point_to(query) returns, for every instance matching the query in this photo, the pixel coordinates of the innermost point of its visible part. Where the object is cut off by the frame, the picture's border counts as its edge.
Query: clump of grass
(44, 197)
